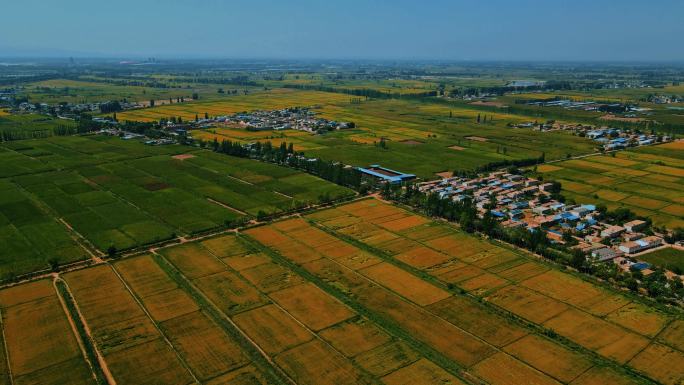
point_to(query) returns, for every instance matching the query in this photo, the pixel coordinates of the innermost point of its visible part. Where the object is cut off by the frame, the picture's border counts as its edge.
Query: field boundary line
(77, 333)
(217, 315)
(277, 305)
(239, 180)
(86, 328)
(537, 329)
(54, 215)
(5, 348)
(435, 356)
(128, 202)
(156, 325)
(225, 206)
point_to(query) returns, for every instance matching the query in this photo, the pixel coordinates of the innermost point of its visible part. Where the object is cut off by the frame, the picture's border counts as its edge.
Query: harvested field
(225, 246)
(247, 375)
(501, 369)
(246, 261)
(39, 338)
(478, 320)
(160, 296)
(423, 325)
(596, 334)
(269, 277)
(273, 330)
(161, 365)
(354, 337)
(483, 284)
(205, 347)
(673, 334)
(312, 306)
(122, 331)
(422, 257)
(563, 364)
(601, 376)
(387, 358)
(229, 292)
(404, 223)
(456, 272)
(193, 260)
(405, 284)
(360, 260)
(661, 363)
(316, 363)
(458, 245)
(639, 318)
(421, 372)
(566, 288)
(527, 304)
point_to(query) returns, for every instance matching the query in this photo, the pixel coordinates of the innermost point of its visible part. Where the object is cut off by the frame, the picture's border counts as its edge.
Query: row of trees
(365, 92)
(285, 155)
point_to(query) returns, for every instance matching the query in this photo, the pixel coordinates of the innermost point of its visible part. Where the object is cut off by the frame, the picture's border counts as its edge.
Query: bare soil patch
(489, 104)
(477, 138)
(457, 148)
(411, 142)
(183, 156)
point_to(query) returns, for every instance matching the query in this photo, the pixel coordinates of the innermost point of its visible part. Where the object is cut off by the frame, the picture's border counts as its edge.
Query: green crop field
(422, 137)
(27, 126)
(648, 180)
(90, 91)
(124, 194)
(669, 258)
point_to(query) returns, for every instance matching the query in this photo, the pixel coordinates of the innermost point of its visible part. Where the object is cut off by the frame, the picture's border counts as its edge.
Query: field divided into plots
(594, 320)
(365, 292)
(124, 194)
(648, 180)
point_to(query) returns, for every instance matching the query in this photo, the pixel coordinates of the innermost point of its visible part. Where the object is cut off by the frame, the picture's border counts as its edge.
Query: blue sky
(615, 30)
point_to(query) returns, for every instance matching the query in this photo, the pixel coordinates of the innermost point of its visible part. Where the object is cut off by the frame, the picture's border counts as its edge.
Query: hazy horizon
(526, 31)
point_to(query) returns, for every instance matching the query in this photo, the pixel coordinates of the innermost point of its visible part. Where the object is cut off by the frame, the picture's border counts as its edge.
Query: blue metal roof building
(386, 174)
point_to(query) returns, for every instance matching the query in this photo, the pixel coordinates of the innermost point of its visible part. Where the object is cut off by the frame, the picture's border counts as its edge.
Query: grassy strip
(390, 326)
(85, 338)
(532, 327)
(273, 375)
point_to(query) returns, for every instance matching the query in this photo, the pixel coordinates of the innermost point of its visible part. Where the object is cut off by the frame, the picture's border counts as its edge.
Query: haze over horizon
(527, 30)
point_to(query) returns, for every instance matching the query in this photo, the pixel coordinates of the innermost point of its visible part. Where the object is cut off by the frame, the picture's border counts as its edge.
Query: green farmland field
(124, 194)
(669, 258)
(648, 180)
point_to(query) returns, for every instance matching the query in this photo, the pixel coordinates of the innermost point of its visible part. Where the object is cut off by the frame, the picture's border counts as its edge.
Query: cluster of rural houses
(584, 105)
(615, 138)
(70, 110)
(665, 99)
(518, 201)
(296, 118)
(607, 138)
